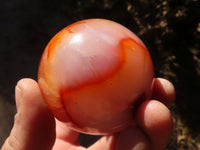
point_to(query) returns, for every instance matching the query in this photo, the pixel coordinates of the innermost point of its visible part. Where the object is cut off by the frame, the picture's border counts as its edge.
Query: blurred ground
(7, 111)
(170, 29)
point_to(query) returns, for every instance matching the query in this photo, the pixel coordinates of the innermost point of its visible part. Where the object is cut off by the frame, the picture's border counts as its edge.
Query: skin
(36, 129)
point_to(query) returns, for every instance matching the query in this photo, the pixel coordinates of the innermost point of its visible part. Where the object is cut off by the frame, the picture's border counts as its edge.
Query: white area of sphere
(89, 53)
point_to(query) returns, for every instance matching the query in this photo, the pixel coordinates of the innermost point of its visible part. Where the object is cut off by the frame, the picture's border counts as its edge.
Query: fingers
(155, 120)
(63, 145)
(154, 123)
(63, 132)
(66, 138)
(105, 143)
(152, 133)
(133, 138)
(164, 91)
(34, 126)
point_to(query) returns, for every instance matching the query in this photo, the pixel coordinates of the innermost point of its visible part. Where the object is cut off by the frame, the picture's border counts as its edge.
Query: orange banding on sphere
(92, 74)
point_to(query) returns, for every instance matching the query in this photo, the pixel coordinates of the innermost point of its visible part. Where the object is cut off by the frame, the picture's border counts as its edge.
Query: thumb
(34, 126)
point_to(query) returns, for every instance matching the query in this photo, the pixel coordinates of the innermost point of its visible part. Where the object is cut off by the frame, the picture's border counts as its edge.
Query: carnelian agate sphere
(93, 73)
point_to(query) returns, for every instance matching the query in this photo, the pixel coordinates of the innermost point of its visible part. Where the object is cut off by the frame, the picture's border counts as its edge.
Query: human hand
(36, 129)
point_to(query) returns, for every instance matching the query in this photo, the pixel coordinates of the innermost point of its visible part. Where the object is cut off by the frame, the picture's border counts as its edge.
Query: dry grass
(182, 137)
